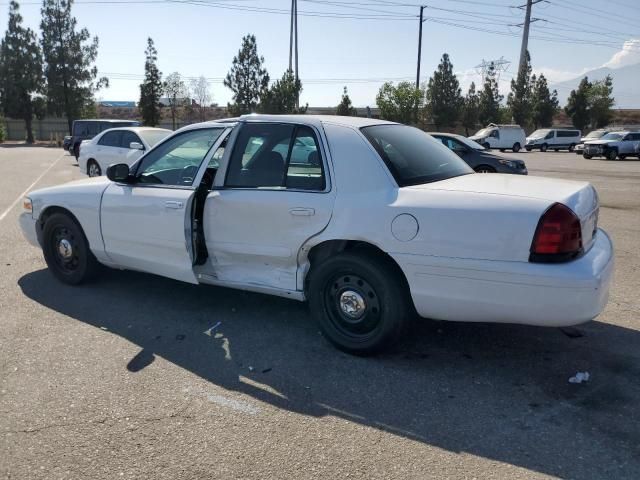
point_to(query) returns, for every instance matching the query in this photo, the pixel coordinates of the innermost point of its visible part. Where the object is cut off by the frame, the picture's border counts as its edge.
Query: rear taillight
(558, 237)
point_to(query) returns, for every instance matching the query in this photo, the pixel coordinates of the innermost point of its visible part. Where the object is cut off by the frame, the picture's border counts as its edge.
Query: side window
(549, 135)
(93, 128)
(176, 161)
(128, 138)
(304, 170)
(495, 134)
(259, 154)
(110, 139)
(79, 128)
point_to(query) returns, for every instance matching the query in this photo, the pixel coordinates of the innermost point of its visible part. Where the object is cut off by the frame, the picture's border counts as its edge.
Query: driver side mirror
(136, 146)
(118, 173)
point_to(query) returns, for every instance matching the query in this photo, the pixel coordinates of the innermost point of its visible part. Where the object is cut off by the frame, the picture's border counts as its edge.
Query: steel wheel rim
(353, 306)
(65, 250)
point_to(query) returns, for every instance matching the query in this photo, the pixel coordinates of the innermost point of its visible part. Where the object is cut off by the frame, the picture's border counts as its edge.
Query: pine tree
(151, 88)
(69, 58)
(247, 79)
(578, 104)
(519, 99)
(544, 103)
(345, 108)
(444, 99)
(470, 110)
(282, 96)
(20, 70)
(490, 98)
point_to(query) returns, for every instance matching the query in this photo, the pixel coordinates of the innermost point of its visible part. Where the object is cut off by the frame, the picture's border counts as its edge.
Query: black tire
(622, 157)
(485, 169)
(93, 169)
(528, 149)
(516, 147)
(76, 150)
(611, 154)
(381, 293)
(71, 262)
(556, 149)
(572, 147)
(543, 147)
(587, 156)
(502, 149)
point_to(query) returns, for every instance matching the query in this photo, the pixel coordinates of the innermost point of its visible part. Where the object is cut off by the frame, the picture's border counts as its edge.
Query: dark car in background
(66, 143)
(479, 158)
(87, 129)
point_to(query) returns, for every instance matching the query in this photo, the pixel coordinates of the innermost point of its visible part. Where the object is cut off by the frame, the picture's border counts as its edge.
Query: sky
(358, 44)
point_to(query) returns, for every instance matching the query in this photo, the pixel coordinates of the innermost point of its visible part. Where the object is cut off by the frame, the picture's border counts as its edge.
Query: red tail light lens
(558, 237)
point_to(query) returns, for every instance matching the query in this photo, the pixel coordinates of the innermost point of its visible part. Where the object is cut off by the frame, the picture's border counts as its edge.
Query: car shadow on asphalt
(494, 391)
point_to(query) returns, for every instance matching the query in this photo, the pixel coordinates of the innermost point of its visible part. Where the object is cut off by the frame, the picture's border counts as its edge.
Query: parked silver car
(614, 145)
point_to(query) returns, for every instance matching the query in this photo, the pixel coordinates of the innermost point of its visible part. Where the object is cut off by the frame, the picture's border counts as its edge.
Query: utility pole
(525, 33)
(291, 37)
(419, 48)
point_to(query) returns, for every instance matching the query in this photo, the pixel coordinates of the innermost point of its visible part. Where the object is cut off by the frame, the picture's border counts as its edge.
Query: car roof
(106, 120)
(139, 129)
(311, 120)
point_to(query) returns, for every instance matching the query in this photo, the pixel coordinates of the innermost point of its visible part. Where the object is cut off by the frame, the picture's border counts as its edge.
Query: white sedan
(117, 145)
(369, 220)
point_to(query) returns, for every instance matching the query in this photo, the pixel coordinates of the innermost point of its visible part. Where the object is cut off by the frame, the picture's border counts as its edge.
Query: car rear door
(107, 149)
(147, 224)
(276, 194)
(127, 154)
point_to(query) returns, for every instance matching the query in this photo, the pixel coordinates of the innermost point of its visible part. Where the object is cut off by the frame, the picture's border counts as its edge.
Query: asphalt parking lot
(122, 378)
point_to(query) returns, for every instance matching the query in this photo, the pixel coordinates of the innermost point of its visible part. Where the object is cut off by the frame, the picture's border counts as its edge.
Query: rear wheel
(528, 149)
(66, 250)
(587, 156)
(622, 157)
(76, 150)
(361, 302)
(611, 154)
(93, 169)
(543, 147)
(572, 147)
(516, 147)
(485, 169)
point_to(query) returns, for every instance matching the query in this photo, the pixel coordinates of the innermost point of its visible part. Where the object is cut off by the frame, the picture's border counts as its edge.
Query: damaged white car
(370, 221)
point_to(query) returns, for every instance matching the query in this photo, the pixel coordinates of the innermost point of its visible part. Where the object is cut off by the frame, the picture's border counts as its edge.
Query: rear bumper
(512, 292)
(28, 227)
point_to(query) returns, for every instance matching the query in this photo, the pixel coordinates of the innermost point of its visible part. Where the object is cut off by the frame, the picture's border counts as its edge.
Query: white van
(555, 138)
(503, 137)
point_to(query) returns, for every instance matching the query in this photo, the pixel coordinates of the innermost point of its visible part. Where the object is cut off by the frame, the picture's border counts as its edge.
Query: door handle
(173, 204)
(302, 212)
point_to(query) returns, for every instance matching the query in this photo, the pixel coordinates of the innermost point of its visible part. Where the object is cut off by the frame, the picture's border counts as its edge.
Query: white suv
(614, 145)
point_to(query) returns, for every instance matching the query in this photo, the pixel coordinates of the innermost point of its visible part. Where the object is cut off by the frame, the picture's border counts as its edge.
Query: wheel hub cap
(352, 304)
(65, 250)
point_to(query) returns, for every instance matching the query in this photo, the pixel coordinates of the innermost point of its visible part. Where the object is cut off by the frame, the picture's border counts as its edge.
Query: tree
(20, 70)
(345, 108)
(578, 105)
(202, 95)
(247, 79)
(490, 98)
(600, 102)
(519, 99)
(177, 93)
(470, 109)
(544, 103)
(151, 88)
(283, 96)
(398, 103)
(444, 100)
(69, 58)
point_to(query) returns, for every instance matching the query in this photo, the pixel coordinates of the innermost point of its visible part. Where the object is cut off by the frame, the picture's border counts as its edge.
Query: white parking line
(21, 196)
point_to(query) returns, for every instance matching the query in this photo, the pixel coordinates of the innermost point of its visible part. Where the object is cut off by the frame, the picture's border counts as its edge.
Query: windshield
(484, 132)
(612, 136)
(540, 133)
(154, 136)
(596, 134)
(469, 143)
(412, 156)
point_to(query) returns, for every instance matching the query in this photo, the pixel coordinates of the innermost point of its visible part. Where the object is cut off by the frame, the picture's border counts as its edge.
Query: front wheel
(528, 149)
(612, 155)
(543, 147)
(622, 157)
(587, 156)
(66, 250)
(361, 302)
(516, 147)
(572, 147)
(93, 169)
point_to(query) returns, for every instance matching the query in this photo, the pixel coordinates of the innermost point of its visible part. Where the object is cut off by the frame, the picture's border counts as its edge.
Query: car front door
(147, 223)
(276, 194)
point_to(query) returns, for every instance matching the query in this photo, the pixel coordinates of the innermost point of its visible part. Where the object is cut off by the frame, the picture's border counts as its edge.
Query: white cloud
(629, 55)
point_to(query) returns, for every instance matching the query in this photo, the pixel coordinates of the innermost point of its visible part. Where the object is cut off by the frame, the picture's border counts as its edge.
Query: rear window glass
(412, 156)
